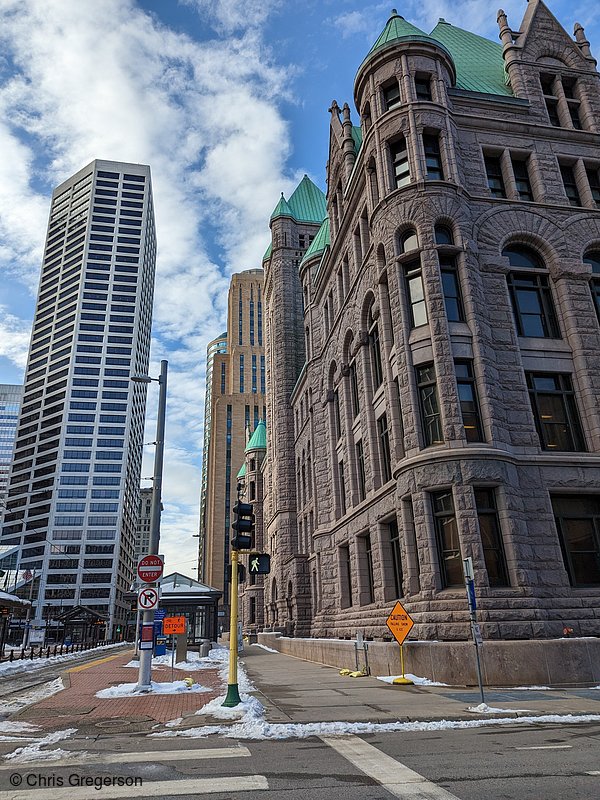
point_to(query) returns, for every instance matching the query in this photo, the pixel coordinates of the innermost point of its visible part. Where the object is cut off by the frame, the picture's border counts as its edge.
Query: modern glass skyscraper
(74, 484)
(10, 403)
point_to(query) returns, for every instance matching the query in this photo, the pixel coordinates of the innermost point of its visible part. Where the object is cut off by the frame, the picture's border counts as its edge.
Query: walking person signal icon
(259, 564)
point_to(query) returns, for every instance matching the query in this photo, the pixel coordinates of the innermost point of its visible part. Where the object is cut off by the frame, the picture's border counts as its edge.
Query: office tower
(237, 406)
(218, 345)
(436, 396)
(10, 404)
(142, 538)
(74, 483)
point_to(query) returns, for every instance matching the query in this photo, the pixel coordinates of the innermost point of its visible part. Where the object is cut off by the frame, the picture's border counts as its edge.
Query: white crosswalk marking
(88, 762)
(175, 788)
(398, 779)
(118, 758)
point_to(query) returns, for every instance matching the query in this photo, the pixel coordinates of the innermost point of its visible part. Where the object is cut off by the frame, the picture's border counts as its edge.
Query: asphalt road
(506, 763)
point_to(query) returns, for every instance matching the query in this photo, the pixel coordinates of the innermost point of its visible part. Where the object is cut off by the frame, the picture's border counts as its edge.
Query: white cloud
(233, 15)
(14, 337)
(81, 80)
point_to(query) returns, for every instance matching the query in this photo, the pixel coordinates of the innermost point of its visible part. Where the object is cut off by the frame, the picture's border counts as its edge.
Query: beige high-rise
(237, 404)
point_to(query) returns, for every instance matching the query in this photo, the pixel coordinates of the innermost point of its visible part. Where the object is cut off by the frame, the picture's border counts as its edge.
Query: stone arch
(583, 233)
(366, 308)
(502, 227)
(565, 52)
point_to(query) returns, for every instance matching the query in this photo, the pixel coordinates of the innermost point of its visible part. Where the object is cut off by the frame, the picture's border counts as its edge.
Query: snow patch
(33, 752)
(264, 647)
(483, 708)
(260, 730)
(171, 687)
(250, 709)
(414, 678)
(27, 665)
(33, 696)
(6, 726)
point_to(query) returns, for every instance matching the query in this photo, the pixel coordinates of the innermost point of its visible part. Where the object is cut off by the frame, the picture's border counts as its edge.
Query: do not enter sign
(150, 568)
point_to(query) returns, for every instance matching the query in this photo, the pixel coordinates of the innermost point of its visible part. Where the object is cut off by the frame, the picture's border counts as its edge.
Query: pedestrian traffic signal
(259, 564)
(243, 526)
(241, 573)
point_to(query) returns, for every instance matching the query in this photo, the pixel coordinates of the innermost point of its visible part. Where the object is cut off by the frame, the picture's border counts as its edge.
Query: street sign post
(475, 629)
(148, 598)
(150, 568)
(400, 623)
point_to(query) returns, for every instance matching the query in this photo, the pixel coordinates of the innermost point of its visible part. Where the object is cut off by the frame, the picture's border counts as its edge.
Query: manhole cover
(113, 723)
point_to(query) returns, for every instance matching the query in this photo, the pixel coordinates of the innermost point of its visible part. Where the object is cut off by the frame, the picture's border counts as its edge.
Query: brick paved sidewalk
(77, 706)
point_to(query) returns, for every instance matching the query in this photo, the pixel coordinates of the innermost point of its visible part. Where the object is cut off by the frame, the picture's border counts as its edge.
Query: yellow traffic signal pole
(233, 696)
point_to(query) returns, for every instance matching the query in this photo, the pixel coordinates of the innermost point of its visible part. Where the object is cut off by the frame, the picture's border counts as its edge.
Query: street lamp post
(145, 672)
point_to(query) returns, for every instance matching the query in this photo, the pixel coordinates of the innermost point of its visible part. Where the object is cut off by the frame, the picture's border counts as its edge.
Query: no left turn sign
(148, 598)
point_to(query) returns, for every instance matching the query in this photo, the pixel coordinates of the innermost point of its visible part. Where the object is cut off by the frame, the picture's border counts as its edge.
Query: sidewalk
(78, 707)
(293, 690)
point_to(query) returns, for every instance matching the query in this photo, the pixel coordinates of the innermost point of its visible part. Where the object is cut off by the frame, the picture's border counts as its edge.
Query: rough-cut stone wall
(316, 592)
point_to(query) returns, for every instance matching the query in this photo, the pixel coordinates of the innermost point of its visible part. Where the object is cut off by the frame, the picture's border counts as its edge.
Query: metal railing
(33, 651)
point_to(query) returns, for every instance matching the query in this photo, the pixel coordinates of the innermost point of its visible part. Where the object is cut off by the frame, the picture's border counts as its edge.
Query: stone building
(237, 397)
(432, 341)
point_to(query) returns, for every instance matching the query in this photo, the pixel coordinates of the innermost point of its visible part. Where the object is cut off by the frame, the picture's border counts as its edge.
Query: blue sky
(227, 101)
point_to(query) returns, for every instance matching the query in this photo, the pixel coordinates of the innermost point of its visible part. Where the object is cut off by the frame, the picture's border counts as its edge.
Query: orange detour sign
(173, 625)
(399, 622)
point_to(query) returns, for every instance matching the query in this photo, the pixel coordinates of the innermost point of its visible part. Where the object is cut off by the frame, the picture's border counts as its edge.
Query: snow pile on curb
(264, 647)
(260, 730)
(12, 668)
(33, 752)
(414, 678)
(128, 689)
(192, 663)
(483, 708)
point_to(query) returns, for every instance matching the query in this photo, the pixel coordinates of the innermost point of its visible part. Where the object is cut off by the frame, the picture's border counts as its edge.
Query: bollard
(48, 653)
(11, 657)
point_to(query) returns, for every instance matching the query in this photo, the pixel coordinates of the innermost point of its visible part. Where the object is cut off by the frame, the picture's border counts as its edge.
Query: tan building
(237, 405)
(435, 395)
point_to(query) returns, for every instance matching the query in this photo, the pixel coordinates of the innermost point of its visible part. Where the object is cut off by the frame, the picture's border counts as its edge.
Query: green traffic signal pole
(233, 695)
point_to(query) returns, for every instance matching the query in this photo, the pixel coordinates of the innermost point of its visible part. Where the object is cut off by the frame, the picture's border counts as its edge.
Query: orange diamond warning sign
(399, 622)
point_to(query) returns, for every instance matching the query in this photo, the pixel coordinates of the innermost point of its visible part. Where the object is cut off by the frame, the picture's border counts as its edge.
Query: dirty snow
(6, 726)
(259, 729)
(33, 752)
(193, 662)
(264, 647)
(483, 708)
(414, 678)
(170, 687)
(32, 696)
(15, 667)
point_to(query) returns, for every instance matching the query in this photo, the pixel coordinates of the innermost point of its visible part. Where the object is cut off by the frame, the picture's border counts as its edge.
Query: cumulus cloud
(14, 337)
(81, 80)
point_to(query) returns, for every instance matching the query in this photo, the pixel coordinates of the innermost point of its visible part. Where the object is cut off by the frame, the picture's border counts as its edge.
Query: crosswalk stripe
(397, 778)
(118, 758)
(174, 788)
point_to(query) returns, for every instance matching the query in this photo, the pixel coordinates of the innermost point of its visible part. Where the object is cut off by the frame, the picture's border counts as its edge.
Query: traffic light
(259, 564)
(243, 526)
(241, 573)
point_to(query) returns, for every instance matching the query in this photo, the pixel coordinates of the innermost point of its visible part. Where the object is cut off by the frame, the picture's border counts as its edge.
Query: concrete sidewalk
(293, 690)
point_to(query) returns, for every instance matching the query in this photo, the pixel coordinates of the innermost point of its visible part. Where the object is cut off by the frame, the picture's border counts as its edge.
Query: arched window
(375, 350)
(523, 257)
(408, 241)
(593, 259)
(530, 294)
(443, 235)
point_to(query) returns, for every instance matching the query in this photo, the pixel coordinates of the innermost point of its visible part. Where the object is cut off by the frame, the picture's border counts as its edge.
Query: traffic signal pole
(233, 695)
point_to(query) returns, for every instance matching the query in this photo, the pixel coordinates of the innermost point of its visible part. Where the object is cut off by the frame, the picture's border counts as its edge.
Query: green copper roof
(242, 472)
(268, 252)
(478, 61)
(357, 136)
(308, 202)
(396, 28)
(320, 242)
(282, 209)
(258, 440)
